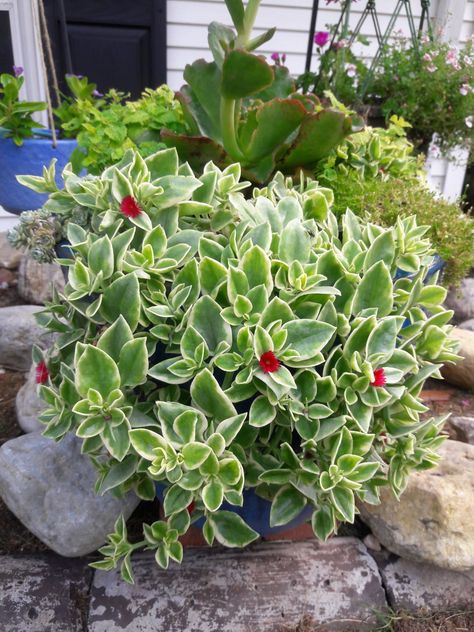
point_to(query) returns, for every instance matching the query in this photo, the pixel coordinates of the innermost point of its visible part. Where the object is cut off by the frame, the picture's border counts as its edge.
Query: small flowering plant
(222, 347)
(432, 87)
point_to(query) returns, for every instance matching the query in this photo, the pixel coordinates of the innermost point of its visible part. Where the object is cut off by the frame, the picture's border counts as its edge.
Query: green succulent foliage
(163, 325)
(239, 108)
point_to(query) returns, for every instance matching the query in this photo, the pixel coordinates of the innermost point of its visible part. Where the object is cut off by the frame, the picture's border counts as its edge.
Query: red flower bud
(379, 378)
(269, 363)
(191, 506)
(42, 373)
(130, 207)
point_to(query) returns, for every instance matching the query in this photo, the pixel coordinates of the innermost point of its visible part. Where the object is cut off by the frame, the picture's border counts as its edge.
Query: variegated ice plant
(216, 344)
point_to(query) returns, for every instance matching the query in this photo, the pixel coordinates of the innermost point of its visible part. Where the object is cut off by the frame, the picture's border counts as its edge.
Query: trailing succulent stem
(240, 108)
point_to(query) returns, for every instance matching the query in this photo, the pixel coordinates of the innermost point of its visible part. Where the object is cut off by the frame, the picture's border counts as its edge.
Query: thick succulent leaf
(283, 86)
(230, 530)
(122, 297)
(275, 121)
(220, 38)
(204, 79)
(237, 12)
(210, 398)
(95, 369)
(375, 291)
(244, 74)
(206, 318)
(319, 134)
(196, 150)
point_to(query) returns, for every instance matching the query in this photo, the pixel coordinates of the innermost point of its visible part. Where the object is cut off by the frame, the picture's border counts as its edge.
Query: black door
(6, 51)
(116, 43)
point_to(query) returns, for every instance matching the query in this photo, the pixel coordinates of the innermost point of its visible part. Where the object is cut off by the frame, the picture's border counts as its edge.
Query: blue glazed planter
(437, 265)
(28, 159)
(255, 511)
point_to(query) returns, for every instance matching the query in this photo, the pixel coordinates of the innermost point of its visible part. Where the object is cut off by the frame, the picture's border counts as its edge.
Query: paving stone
(9, 257)
(36, 280)
(28, 405)
(43, 593)
(18, 333)
(251, 590)
(50, 487)
(413, 586)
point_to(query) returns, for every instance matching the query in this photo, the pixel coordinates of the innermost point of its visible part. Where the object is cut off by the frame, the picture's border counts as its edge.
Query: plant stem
(228, 127)
(249, 21)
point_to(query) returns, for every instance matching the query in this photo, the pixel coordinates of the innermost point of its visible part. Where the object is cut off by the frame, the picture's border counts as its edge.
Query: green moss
(451, 230)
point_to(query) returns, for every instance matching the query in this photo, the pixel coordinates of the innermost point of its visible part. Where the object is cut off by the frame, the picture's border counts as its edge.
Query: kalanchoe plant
(225, 348)
(241, 109)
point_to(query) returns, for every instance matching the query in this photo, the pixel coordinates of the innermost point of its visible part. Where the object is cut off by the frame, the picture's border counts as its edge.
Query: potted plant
(25, 145)
(254, 360)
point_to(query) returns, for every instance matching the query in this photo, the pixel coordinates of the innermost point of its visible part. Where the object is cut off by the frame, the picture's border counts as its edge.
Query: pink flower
(269, 363)
(469, 120)
(275, 57)
(351, 70)
(41, 373)
(427, 57)
(379, 378)
(342, 43)
(464, 89)
(321, 38)
(17, 70)
(130, 207)
(431, 68)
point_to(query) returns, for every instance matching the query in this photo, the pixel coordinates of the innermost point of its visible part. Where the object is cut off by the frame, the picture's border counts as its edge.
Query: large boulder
(9, 257)
(18, 333)
(433, 521)
(462, 373)
(36, 280)
(461, 300)
(50, 487)
(467, 324)
(28, 405)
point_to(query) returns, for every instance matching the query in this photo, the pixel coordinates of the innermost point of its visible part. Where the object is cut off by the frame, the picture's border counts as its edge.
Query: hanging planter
(29, 158)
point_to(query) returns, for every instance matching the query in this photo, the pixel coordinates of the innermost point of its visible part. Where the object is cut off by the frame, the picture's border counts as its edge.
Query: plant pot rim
(43, 136)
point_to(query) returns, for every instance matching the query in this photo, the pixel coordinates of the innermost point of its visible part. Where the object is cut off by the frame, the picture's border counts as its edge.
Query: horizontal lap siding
(188, 20)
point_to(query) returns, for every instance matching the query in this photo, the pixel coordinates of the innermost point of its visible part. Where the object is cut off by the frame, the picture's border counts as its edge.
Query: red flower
(130, 207)
(379, 378)
(42, 373)
(191, 506)
(269, 363)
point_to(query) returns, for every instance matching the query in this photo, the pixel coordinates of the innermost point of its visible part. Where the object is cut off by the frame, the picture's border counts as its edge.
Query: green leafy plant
(221, 346)
(16, 116)
(385, 200)
(239, 108)
(105, 133)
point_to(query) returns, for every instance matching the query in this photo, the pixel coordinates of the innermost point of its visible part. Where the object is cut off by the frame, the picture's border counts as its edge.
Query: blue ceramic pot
(29, 159)
(255, 511)
(437, 265)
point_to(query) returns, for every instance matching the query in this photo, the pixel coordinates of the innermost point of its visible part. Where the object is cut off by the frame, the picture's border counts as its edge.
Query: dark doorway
(115, 43)
(6, 50)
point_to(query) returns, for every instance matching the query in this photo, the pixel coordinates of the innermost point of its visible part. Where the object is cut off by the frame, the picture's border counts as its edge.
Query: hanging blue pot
(255, 511)
(29, 159)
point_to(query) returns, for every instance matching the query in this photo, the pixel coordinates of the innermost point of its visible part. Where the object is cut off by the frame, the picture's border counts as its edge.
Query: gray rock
(467, 324)
(50, 487)
(432, 522)
(9, 257)
(461, 300)
(36, 280)
(43, 593)
(255, 589)
(18, 333)
(28, 405)
(413, 586)
(462, 372)
(464, 428)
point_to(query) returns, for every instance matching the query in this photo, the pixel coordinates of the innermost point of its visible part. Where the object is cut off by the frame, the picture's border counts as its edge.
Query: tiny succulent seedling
(214, 344)
(239, 108)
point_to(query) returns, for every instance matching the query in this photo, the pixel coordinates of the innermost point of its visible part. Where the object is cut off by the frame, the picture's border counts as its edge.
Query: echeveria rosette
(241, 343)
